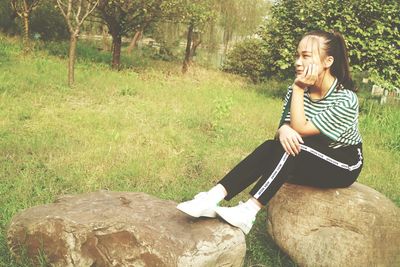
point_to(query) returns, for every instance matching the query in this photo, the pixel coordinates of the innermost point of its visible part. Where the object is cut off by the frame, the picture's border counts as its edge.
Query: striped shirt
(335, 115)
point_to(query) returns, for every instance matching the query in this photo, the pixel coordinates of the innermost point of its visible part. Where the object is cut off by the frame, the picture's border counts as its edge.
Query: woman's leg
(249, 170)
(325, 177)
(315, 162)
(263, 160)
(240, 177)
(316, 165)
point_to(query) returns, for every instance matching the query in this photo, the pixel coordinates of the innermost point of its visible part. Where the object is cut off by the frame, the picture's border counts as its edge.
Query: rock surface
(354, 226)
(123, 229)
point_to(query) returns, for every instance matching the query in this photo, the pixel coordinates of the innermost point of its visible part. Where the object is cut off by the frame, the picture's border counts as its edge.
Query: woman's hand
(308, 77)
(289, 139)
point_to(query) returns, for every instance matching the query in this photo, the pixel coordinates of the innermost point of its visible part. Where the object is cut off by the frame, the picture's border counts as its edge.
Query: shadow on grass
(7, 51)
(91, 52)
(273, 88)
(262, 250)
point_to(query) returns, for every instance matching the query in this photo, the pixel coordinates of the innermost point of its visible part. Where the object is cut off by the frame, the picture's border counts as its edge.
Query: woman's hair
(335, 46)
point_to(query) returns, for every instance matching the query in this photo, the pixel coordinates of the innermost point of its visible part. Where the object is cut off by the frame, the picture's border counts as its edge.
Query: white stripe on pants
(314, 152)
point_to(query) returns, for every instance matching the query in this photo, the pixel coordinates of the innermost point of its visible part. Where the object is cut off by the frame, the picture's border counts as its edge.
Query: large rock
(123, 229)
(354, 226)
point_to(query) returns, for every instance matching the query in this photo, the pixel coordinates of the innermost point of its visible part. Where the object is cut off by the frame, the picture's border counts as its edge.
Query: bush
(47, 23)
(7, 18)
(248, 59)
(86, 50)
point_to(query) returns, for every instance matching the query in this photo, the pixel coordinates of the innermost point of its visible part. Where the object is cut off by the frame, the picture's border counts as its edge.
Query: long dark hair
(335, 46)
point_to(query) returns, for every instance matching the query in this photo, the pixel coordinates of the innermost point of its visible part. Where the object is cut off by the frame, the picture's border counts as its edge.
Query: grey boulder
(123, 229)
(354, 226)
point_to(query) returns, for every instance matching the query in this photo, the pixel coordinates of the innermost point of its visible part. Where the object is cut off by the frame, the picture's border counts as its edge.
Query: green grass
(146, 129)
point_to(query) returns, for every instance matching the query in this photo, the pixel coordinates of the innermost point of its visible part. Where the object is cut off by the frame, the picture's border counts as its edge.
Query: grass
(146, 128)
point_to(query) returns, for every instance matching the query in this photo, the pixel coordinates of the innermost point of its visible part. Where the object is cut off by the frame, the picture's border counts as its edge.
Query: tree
(168, 35)
(124, 16)
(198, 13)
(23, 9)
(195, 14)
(241, 17)
(75, 12)
(204, 21)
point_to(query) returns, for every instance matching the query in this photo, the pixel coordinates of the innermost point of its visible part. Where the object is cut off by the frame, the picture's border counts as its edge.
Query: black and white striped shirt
(335, 115)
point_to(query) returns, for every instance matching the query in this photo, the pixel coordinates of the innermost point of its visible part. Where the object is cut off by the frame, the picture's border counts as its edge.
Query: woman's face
(309, 52)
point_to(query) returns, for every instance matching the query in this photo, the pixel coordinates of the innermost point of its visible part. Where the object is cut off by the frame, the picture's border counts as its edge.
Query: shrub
(7, 18)
(248, 59)
(48, 24)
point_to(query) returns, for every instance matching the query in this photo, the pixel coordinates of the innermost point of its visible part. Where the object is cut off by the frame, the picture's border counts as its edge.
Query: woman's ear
(328, 61)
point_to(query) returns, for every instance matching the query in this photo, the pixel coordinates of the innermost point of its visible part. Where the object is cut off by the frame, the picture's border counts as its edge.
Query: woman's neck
(322, 86)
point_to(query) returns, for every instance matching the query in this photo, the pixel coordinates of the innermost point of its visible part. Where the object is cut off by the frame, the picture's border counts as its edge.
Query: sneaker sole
(245, 229)
(208, 214)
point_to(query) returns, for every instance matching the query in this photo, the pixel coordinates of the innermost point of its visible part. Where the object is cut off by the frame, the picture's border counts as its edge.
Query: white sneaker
(200, 206)
(239, 216)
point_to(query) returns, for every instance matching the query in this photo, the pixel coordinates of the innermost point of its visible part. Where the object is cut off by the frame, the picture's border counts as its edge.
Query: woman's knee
(268, 146)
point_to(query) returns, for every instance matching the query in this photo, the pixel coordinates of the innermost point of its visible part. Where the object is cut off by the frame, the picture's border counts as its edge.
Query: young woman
(317, 142)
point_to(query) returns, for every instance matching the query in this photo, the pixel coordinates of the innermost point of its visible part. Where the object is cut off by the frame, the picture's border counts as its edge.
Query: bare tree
(23, 9)
(75, 12)
(135, 39)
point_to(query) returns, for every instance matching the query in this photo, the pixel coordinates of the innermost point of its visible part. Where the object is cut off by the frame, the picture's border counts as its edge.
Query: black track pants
(316, 165)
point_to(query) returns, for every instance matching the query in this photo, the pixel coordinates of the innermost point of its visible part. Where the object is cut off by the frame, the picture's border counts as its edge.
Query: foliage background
(370, 28)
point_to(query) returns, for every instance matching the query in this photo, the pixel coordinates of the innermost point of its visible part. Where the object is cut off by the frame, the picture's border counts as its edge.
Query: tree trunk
(186, 61)
(133, 43)
(196, 43)
(213, 47)
(106, 45)
(72, 55)
(116, 58)
(227, 37)
(25, 18)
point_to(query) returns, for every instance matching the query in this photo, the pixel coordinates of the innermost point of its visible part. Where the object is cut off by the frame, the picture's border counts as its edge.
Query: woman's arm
(289, 139)
(298, 120)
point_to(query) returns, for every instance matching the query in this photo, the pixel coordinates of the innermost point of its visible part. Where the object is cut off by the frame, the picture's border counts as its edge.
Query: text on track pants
(316, 165)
